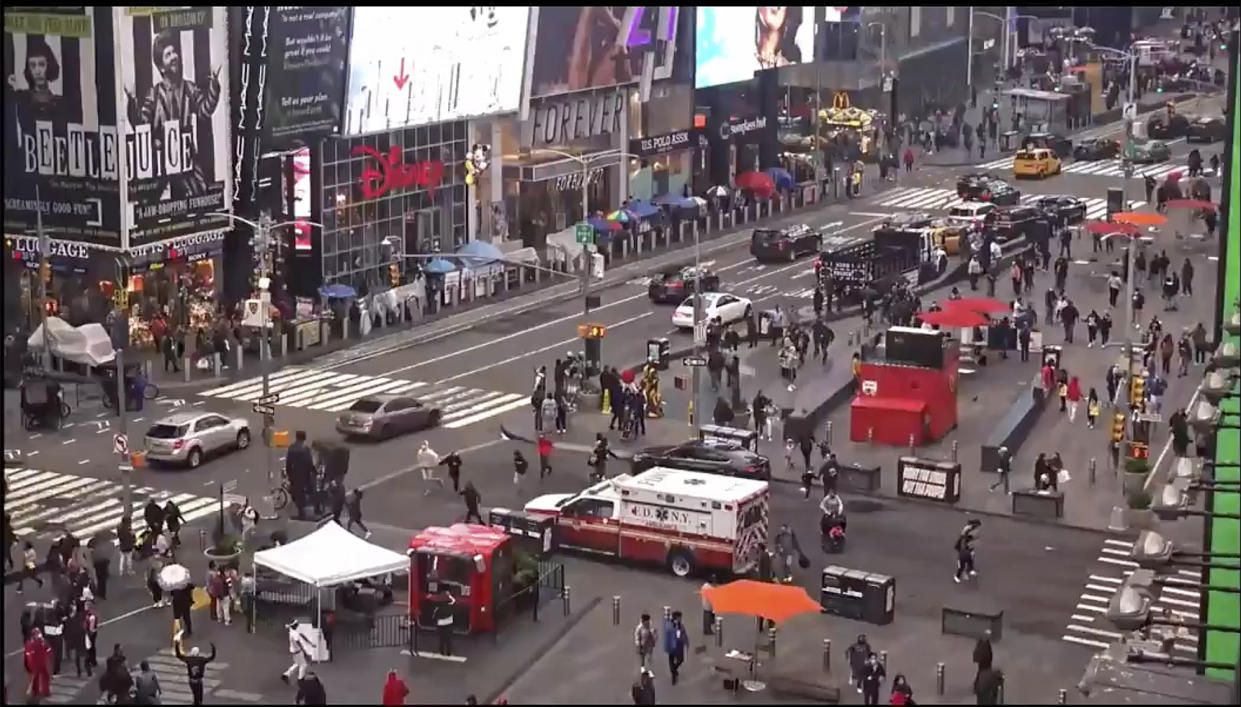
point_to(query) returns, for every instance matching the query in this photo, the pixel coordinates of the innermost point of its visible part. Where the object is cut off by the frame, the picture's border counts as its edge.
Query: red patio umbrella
(1105, 228)
(757, 182)
(954, 318)
(982, 305)
(1197, 204)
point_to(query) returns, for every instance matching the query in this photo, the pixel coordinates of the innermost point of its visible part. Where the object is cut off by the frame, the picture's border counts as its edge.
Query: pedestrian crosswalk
(929, 199)
(47, 503)
(1179, 595)
(329, 391)
(64, 688)
(1097, 168)
(175, 687)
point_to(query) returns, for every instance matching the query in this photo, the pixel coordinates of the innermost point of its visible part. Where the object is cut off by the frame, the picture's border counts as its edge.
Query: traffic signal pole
(45, 245)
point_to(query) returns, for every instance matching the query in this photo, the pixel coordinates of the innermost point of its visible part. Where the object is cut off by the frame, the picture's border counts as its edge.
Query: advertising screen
(415, 66)
(585, 47)
(178, 150)
(734, 42)
(60, 124)
(306, 73)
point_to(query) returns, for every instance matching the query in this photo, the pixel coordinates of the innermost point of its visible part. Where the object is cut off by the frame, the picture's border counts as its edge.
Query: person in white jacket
(428, 460)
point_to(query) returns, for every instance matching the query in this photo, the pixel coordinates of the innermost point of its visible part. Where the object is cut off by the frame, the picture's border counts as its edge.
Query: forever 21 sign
(661, 144)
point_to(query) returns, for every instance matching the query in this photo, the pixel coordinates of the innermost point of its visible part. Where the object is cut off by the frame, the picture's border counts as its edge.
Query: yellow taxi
(1036, 162)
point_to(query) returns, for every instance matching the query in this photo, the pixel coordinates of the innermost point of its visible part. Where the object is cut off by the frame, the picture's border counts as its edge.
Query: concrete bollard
(870, 435)
(217, 363)
(827, 655)
(828, 433)
(1063, 697)
(719, 632)
(241, 354)
(565, 595)
(148, 368)
(955, 448)
(883, 659)
(939, 679)
(912, 447)
(187, 368)
(771, 641)
(283, 340)
(616, 610)
(1093, 465)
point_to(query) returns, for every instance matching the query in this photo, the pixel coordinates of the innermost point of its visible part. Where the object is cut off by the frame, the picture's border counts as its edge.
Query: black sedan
(705, 457)
(673, 285)
(1059, 144)
(784, 244)
(974, 187)
(1096, 149)
(1070, 208)
(1165, 127)
(1207, 129)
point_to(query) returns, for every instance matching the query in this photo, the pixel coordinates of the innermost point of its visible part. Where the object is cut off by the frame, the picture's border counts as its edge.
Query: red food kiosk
(471, 563)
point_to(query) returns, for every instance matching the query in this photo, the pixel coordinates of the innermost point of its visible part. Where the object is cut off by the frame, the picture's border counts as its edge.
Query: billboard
(60, 131)
(174, 87)
(585, 47)
(307, 47)
(419, 65)
(734, 42)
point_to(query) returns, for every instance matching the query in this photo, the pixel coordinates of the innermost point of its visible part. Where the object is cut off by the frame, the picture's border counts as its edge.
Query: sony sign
(569, 119)
(730, 129)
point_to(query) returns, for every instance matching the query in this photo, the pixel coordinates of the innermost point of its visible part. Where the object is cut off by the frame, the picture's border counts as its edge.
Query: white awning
(329, 556)
(88, 344)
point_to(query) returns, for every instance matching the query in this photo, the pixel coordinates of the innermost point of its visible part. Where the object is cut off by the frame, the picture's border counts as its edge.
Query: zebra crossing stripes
(1179, 594)
(930, 199)
(48, 503)
(1096, 168)
(174, 687)
(64, 688)
(330, 391)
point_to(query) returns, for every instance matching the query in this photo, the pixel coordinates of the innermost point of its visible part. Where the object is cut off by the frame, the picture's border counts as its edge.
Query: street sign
(584, 234)
(987, 44)
(693, 361)
(700, 332)
(1130, 111)
(1148, 417)
(269, 399)
(230, 486)
(120, 444)
(263, 409)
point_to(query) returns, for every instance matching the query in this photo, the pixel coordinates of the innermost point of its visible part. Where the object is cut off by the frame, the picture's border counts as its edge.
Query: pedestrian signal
(1118, 427)
(45, 271)
(1137, 450)
(1137, 390)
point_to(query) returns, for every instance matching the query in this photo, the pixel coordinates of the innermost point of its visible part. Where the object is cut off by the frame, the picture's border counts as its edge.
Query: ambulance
(686, 521)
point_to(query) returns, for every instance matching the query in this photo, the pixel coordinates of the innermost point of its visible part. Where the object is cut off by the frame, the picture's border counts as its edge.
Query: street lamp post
(262, 238)
(883, 49)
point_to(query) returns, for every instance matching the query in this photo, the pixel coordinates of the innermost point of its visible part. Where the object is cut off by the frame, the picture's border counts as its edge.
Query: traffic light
(1118, 427)
(1137, 450)
(45, 271)
(1137, 390)
(394, 274)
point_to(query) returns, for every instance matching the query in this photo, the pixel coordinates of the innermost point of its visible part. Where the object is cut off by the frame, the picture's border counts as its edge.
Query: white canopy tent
(329, 556)
(88, 344)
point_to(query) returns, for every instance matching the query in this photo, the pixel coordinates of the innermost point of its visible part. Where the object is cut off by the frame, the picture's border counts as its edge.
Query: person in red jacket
(395, 689)
(39, 665)
(909, 159)
(545, 456)
(1074, 396)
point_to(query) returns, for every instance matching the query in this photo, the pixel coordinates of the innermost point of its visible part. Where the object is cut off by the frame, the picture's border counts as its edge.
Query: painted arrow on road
(175, 402)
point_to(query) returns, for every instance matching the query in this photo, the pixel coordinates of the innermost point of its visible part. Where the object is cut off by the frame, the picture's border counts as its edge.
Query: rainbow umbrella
(619, 215)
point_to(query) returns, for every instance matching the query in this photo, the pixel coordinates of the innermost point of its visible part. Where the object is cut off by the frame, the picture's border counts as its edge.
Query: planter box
(1133, 483)
(1139, 519)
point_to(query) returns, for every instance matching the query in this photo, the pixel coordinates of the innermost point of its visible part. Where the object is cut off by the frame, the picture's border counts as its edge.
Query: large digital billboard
(420, 65)
(735, 42)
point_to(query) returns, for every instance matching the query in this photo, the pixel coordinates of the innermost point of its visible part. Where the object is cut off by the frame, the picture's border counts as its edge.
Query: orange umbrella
(777, 602)
(954, 317)
(1140, 219)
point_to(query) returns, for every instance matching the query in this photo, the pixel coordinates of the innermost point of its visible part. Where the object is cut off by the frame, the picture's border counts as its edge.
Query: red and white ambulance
(684, 520)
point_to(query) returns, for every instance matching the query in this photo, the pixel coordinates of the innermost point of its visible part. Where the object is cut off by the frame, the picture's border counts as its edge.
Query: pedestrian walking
(353, 511)
(74, 638)
(902, 693)
(1074, 396)
(299, 652)
(643, 690)
(873, 675)
(310, 690)
(544, 447)
(1105, 328)
(1185, 352)
(762, 421)
(453, 462)
(1003, 467)
(1062, 391)
(708, 614)
(37, 657)
(157, 592)
(245, 592)
(195, 668)
(182, 600)
(857, 655)
(909, 160)
(645, 637)
(676, 643)
(983, 654)
(1092, 408)
(1092, 328)
(965, 552)
(472, 499)
(125, 542)
(427, 461)
(30, 564)
(1166, 349)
